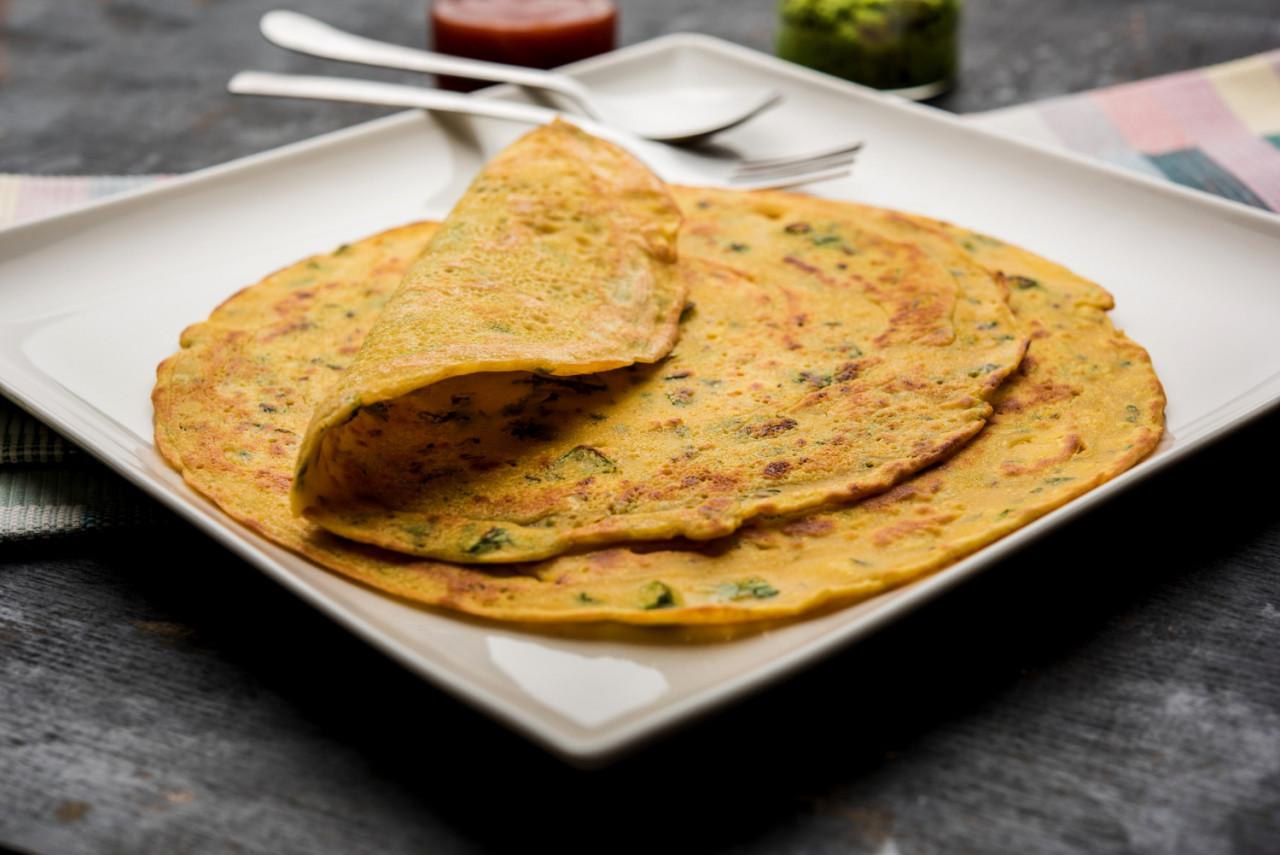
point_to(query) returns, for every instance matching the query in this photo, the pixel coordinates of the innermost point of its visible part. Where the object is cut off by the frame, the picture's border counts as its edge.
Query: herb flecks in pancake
(558, 262)
(827, 364)
(1084, 406)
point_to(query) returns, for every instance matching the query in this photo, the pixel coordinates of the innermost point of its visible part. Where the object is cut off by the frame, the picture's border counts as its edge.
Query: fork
(682, 166)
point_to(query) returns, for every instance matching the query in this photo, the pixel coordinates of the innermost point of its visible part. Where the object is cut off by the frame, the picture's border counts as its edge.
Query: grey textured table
(1116, 688)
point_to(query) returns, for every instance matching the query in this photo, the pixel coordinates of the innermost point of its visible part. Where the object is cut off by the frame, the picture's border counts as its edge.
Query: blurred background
(88, 85)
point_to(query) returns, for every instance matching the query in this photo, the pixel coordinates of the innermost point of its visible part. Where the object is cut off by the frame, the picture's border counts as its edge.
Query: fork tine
(797, 165)
(779, 172)
(791, 179)
(751, 163)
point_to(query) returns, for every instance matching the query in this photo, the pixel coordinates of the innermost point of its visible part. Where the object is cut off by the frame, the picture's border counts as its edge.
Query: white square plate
(92, 300)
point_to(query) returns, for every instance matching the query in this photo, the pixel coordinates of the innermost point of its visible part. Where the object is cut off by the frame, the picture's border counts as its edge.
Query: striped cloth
(26, 197)
(1216, 129)
(49, 486)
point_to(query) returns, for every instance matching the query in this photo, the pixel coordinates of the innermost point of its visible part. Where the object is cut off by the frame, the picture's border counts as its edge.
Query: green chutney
(886, 44)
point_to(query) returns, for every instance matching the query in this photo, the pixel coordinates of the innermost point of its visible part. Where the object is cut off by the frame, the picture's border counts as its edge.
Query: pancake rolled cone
(559, 259)
(827, 352)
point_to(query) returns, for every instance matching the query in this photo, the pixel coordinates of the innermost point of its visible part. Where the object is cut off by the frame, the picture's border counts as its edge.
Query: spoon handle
(305, 34)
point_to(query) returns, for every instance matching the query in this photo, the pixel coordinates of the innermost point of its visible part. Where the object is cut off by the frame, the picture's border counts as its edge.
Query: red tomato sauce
(533, 33)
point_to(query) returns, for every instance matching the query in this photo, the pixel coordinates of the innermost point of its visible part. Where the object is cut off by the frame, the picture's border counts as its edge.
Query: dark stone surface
(138, 86)
(1114, 689)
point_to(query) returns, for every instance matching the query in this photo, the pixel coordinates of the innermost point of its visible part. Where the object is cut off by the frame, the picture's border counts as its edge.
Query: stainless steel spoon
(679, 116)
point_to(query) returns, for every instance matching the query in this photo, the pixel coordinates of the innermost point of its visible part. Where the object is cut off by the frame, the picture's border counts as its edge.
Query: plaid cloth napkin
(1215, 129)
(49, 486)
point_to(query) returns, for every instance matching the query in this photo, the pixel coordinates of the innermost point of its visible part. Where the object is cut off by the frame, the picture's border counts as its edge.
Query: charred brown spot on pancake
(274, 482)
(681, 397)
(929, 524)
(944, 450)
(1070, 446)
(815, 379)
(771, 427)
(627, 498)
(1022, 283)
(721, 481)
(606, 558)
(777, 469)
(814, 398)
(711, 509)
(905, 384)
(916, 490)
(288, 329)
(807, 268)
(758, 537)
(809, 527)
(1031, 395)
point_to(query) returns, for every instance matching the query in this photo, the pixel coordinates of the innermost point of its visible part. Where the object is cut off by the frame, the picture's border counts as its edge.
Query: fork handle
(386, 94)
(305, 34)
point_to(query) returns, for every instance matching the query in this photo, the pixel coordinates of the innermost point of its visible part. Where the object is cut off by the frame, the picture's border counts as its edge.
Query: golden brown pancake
(826, 353)
(559, 260)
(1083, 406)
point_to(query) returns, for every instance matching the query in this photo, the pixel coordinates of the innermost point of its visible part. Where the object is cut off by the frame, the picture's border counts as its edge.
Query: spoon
(680, 116)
